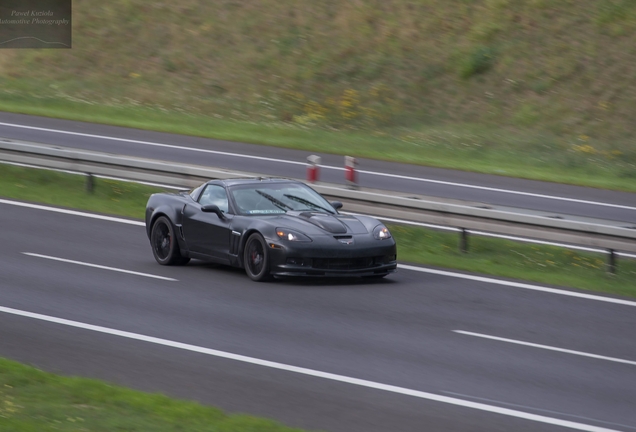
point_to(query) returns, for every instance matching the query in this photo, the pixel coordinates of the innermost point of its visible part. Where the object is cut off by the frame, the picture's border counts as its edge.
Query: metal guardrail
(596, 233)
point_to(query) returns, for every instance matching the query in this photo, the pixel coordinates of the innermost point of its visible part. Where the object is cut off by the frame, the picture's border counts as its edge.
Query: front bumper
(326, 257)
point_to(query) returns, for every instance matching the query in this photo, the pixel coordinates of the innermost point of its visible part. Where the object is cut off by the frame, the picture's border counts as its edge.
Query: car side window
(214, 194)
(194, 193)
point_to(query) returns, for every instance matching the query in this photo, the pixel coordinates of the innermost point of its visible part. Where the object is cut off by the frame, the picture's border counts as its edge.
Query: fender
(159, 205)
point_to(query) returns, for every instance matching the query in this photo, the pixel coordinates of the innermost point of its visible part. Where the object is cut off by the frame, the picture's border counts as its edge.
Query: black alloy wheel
(165, 247)
(256, 258)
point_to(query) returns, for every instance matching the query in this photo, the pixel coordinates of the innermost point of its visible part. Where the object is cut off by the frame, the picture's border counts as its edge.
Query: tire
(165, 246)
(256, 258)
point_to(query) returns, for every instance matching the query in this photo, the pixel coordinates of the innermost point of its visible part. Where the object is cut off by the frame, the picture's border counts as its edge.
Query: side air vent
(235, 240)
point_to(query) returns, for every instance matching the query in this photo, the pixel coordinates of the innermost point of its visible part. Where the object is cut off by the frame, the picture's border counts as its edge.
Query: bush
(477, 62)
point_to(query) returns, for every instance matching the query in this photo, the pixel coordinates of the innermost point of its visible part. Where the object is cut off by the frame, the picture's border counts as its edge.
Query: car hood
(322, 223)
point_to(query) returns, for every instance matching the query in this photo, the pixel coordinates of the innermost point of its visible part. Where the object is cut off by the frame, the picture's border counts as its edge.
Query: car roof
(253, 180)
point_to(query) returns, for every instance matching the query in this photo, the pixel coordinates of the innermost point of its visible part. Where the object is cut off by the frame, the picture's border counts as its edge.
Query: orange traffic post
(313, 168)
(350, 172)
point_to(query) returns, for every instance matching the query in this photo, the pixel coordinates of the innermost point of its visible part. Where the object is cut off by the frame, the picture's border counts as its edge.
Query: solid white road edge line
(194, 149)
(154, 144)
(311, 372)
(546, 347)
(491, 189)
(537, 409)
(518, 285)
(99, 266)
(72, 212)
(403, 266)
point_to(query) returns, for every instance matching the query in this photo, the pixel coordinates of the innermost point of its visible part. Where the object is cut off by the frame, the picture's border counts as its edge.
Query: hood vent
(327, 222)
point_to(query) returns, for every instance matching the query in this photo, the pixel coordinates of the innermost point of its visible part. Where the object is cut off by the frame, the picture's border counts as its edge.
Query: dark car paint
(205, 232)
(204, 235)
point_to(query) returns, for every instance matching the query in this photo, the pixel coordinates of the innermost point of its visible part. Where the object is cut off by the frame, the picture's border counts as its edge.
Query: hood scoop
(328, 223)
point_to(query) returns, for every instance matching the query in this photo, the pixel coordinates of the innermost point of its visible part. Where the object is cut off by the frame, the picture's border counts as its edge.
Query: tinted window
(194, 193)
(214, 194)
(278, 198)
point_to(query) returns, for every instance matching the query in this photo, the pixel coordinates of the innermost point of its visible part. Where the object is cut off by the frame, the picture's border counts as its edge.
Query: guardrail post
(90, 183)
(463, 240)
(611, 261)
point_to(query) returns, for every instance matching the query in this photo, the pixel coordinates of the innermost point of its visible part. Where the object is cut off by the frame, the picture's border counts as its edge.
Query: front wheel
(256, 258)
(165, 247)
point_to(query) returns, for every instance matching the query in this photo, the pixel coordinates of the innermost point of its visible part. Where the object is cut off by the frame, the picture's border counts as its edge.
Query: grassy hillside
(551, 79)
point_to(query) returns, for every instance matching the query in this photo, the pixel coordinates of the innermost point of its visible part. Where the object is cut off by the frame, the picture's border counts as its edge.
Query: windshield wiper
(278, 203)
(306, 202)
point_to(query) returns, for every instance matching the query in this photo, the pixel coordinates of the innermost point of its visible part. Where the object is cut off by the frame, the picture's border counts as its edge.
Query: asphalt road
(407, 179)
(400, 332)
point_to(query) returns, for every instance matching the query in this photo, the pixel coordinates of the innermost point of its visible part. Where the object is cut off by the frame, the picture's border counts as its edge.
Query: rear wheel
(165, 247)
(256, 258)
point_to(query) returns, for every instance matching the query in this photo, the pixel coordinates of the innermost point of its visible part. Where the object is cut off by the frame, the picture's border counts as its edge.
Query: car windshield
(277, 198)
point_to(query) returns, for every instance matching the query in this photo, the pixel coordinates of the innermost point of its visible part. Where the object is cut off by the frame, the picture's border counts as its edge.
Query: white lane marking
(99, 266)
(539, 409)
(442, 182)
(311, 372)
(546, 347)
(155, 144)
(518, 285)
(491, 189)
(72, 212)
(403, 266)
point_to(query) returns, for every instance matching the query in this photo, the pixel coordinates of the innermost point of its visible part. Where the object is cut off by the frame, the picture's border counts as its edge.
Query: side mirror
(336, 204)
(213, 208)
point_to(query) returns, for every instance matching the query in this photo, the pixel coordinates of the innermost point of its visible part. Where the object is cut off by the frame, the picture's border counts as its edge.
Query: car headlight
(290, 235)
(381, 232)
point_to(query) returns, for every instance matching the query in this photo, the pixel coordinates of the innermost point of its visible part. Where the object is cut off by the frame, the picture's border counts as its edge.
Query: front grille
(347, 263)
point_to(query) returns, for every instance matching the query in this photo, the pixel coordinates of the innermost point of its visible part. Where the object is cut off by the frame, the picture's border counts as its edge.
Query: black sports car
(269, 227)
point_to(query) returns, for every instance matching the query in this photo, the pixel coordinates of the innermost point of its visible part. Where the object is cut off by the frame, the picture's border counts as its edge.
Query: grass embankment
(35, 401)
(543, 264)
(537, 89)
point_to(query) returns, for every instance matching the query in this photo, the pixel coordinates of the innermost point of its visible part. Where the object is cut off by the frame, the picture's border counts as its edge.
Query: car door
(205, 232)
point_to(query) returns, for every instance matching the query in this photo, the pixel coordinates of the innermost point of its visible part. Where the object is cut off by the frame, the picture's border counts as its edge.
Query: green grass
(69, 190)
(35, 401)
(538, 263)
(536, 89)
(543, 264)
